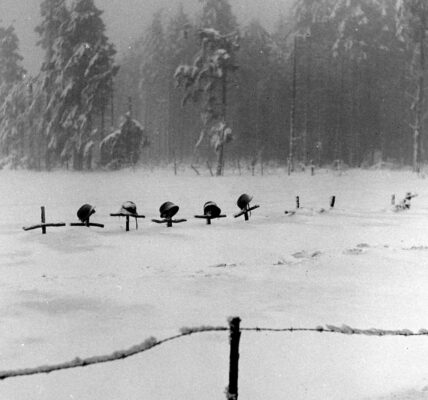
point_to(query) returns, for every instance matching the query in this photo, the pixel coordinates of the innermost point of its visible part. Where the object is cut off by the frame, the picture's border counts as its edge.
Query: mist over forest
(330, 82)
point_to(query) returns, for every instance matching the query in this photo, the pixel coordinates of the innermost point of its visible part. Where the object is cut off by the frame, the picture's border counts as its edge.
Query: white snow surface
(90, 291)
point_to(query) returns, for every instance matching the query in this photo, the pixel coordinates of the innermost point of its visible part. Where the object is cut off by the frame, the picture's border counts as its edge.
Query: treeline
(331, 81)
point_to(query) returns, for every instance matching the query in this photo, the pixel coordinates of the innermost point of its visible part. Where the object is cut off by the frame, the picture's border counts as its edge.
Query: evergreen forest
(330, 82)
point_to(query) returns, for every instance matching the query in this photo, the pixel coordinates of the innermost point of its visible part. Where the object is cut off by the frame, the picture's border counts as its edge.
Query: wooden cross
(136, 216)
(43, 224)
(246, 212)
(169, 221)
(209, 217)
(87, 223)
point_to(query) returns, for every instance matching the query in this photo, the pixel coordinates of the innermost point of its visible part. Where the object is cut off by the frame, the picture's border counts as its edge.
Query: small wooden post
(234, 337)
(246, 216)
(43, 220)
(393, 200)
(312, 170)
(332, 201)
(297, 202)
(208, 221)
(127, 223)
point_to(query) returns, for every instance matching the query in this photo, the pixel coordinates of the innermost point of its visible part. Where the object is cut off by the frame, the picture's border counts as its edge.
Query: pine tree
(154, 85)
(83, 60)
(11, 70)
(206, 80)
(180, 48)
(12, 99)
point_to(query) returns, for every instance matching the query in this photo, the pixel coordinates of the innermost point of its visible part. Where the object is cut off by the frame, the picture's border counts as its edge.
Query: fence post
(43, 218)
(234, 336)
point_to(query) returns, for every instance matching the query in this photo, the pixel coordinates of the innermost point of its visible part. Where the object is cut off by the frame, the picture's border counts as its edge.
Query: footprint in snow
(306, 254)
(222, 265)
(354, 251)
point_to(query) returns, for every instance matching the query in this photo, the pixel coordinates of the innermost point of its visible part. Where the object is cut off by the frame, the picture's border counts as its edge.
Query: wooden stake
(332, 201)
(297, 202)
(43, 220)
(234, 337)
(393, 200)
(127, 223)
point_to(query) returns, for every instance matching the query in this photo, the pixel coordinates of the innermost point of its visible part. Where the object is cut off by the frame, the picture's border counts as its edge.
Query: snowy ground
(83, 292)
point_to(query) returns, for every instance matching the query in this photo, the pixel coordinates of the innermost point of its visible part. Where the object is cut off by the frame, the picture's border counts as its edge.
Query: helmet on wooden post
(168, 210)
(85, 212)
(243, 201)
(128, 208)
(211, 209)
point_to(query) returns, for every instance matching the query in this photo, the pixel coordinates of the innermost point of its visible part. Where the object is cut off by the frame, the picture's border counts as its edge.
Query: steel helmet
(168, 210)
(84, 212)
(244, 201)
(211, 209)
(128, 208)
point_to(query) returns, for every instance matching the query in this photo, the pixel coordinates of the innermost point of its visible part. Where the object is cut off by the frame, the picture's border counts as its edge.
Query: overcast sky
(125, 19)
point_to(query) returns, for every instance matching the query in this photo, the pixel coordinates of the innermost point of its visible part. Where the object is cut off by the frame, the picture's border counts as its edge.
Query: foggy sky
(125, 19)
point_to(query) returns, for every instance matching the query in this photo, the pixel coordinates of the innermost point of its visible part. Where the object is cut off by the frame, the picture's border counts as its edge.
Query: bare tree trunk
(220, 152)
(292, 113)
(418, 128)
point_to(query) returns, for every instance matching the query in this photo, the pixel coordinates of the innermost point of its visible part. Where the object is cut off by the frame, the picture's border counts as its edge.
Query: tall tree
(54, 18)
(206, 80)
(84, 58)
(11, 70)
(12, 99)
(413, 26)
(154, 84)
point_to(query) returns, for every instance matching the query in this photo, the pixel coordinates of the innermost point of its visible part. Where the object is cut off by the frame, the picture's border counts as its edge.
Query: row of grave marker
(167, 211)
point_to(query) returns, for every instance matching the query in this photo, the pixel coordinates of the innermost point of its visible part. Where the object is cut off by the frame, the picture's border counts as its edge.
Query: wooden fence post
(297, 202)
(234, 337)
(43, 220)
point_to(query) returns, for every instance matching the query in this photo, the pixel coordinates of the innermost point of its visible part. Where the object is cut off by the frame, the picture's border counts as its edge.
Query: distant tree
(180, 49)
(217, 14)
(206, 81)
(11, 70)
(260, 64)
(413, 25)
(123, 147)
(153, 84)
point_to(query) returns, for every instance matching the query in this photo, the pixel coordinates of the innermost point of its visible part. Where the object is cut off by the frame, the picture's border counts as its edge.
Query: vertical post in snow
(234, 337)
(297, 202)
(332, 201)
(127, 223)
(43, 220)
(393, 200)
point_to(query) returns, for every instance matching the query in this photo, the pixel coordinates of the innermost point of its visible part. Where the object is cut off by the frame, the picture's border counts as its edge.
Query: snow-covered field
(90, 291)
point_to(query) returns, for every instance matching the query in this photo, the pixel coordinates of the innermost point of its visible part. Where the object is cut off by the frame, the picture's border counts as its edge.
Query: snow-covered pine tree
(12, 99)
(180, 49)
(11, 70)
(47, 88)
(206, 80)
(83, 62)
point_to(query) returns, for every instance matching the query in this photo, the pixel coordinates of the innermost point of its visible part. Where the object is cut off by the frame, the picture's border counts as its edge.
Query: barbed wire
(152, 342)
(345, 330)
(148, 344)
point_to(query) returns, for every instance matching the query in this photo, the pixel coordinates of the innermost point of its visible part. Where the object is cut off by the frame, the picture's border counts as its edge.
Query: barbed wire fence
(235, 331)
